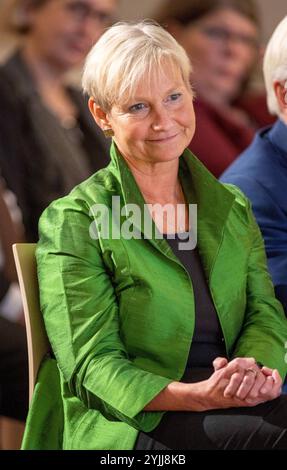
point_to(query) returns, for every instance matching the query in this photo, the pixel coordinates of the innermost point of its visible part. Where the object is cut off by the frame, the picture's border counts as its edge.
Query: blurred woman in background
(222, 38)
(48, 142)
(13, 345)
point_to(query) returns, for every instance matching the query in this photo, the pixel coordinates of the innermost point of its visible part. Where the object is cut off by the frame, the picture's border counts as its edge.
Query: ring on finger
(253, 371)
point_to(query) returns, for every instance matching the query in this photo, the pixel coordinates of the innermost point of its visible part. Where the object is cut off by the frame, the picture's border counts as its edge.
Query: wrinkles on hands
(244, 382)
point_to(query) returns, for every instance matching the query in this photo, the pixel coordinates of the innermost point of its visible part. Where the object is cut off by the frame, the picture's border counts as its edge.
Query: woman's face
(222, 47)
(159, 123)
(63, 31)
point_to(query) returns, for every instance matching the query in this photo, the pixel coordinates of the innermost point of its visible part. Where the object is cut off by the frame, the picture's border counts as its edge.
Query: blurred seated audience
(261, 171)
(8, 39)
(11, 232)
(13, 345)
(48, 142)
(13, 370)
(222, 38)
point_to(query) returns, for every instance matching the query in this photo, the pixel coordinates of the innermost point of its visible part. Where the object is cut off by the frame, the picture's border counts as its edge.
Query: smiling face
(63, 31)
(157, 124)
(222, 47)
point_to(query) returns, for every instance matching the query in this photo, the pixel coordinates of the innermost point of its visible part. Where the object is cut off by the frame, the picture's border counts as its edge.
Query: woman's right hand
(238, 383)
(232, 385)
(211, 392)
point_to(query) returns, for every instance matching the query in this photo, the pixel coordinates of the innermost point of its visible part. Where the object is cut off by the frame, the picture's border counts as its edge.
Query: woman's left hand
(268, 390)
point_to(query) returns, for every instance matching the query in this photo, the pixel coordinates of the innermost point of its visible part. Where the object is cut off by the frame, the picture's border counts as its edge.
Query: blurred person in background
(8, 38)
(48, 142)
(222, 39)
(11, 231)
(13, 344)
(261, 171)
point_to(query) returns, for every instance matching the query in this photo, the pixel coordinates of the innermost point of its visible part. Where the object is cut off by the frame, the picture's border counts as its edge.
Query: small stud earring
(108, 133)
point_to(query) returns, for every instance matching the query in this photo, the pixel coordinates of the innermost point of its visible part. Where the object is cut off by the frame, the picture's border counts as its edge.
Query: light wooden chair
(38, 343)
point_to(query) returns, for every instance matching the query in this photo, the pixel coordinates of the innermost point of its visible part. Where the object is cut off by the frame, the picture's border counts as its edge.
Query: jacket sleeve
(264, 332)
(81, 316)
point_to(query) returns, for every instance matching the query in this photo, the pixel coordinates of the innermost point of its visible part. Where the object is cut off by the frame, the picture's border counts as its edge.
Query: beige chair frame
(38, 343)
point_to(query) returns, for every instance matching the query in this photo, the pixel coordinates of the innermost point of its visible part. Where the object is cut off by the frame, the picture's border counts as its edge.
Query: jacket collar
(213, 201)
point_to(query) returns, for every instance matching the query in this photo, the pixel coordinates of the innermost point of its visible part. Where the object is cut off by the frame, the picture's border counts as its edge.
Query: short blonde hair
(125, 54)
(275, 64)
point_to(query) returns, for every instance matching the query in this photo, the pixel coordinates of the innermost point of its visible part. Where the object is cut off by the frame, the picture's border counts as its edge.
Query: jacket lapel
(132, 195)
(213, 201)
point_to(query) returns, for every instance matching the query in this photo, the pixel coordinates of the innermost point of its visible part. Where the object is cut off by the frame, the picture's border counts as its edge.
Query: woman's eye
(137, 107)
(174, 97)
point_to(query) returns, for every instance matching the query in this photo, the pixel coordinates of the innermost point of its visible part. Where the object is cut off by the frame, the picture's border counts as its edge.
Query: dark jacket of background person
(117, 355)
(261, 173)
(13, 344)
(40, 159)
(13, 370)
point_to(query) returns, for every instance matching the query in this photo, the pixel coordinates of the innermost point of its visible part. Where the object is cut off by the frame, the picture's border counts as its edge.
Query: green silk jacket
(120, 313)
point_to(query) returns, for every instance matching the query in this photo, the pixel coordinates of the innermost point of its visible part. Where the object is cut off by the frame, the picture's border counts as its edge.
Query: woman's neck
(49, 82)
(158, 182)
(42, 70)
(212, 95)
(214, 99)
(161, 189)
(225, 108)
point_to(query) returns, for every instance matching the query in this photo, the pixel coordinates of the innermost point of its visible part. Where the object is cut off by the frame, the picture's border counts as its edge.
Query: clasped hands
(241, 382)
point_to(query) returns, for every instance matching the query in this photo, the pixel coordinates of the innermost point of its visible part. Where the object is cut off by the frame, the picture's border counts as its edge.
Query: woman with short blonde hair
(165, 337)
(120, 72)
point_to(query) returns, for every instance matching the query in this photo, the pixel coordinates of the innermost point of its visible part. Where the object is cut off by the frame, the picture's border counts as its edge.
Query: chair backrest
(38, 343)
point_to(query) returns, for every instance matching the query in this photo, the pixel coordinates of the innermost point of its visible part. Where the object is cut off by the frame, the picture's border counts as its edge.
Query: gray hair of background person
(275, 64)
(189, 11)
(125, 54)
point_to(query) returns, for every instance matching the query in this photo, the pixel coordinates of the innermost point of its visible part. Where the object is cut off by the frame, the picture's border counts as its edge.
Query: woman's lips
(163, 139)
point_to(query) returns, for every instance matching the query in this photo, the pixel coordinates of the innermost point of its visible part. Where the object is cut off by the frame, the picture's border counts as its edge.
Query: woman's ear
(281, 95)
(99, 115)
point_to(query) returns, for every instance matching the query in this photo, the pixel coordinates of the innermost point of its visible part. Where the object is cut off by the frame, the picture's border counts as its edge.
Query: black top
(207, 342)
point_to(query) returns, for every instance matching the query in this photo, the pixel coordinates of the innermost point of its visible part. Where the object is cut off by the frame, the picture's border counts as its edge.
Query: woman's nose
(161, 119)
(236, 49)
